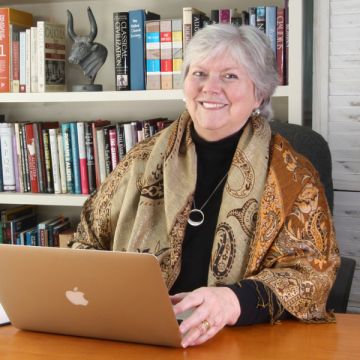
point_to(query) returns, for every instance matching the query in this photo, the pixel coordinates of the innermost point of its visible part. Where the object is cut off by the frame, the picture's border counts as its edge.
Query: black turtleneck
(213, 163)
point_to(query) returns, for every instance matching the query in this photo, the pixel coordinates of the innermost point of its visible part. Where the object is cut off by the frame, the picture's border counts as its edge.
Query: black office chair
(313, 146)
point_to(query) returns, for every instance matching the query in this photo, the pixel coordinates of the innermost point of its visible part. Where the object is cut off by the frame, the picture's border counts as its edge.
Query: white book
(19, 156)
(55, 160)
(33, 59)
(7, 156)
(51, 56)
(101, 153)
(28, 61)
(129, 140)
(62, 163)
(22, 74)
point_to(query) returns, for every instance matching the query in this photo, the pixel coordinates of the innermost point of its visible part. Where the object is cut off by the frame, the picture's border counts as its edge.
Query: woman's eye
(231, 76)
(198, 73)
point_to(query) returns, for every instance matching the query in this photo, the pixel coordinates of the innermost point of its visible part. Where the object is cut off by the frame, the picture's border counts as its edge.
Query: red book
(82, 158)
(280, 44)
(32, 158)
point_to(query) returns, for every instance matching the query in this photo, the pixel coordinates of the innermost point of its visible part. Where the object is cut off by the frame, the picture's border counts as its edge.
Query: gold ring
(205, 326)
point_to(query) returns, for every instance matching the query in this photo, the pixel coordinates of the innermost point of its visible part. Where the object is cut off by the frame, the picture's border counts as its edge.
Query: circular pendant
(196, 217)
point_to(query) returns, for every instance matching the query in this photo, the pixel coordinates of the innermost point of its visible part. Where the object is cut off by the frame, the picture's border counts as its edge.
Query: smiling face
(220, 96)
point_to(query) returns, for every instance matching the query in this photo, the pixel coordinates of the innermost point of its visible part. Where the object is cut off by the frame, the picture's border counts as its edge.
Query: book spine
(75, 157)
(260, 18)
(16, 169)
(280, 44)
(39, 157)
(214, 16)
(32, 158)
(107, 150)
(82, 158)
(28, 61)
(20, 159)
(252, 16)
(128, 137)
(15, 59)
(120, 141)
(65, 130)
(40, 41)
(33, 59)
(224, 16)
(55, 159)
(90, 163)
(25, 157)
(7, 156)
(177, 52)
(4, 50)
(96, 155)
(152, 29)
(113, 147)
(270, 28)
(166, 54)
(101, 153)
(121, 50)
(48, 164)
(137, 54)
(286, 76)
(22, 75)
(62, 163)
(187, 26)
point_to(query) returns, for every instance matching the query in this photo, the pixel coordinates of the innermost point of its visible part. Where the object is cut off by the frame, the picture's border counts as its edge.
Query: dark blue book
(20, 224)
(75, 157)
(137, 20)
(65, 130)
(31, 237)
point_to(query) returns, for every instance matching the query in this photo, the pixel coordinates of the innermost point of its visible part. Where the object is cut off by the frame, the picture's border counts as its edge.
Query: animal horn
(93, 26)
(70, 26)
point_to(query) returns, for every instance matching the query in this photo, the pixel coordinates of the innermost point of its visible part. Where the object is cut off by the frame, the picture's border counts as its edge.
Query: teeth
(212, 105)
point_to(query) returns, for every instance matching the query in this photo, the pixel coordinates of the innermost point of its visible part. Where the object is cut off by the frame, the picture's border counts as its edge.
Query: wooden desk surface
(289, 340)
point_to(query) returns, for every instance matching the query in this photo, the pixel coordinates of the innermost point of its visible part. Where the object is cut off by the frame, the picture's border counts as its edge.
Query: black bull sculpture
(90, 56)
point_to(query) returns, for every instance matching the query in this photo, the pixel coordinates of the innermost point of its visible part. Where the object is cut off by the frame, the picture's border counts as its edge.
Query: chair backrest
(314, 147)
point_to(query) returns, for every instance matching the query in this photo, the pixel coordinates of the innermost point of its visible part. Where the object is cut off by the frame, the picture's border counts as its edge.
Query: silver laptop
(100, 294)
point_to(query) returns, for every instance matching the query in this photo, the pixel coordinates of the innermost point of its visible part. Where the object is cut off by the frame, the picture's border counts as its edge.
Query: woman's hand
(214, 307)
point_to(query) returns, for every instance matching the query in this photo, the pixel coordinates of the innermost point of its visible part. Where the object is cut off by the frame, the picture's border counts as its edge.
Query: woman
(238, 220)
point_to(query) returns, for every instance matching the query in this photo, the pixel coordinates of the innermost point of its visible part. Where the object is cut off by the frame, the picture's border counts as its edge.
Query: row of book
(157, 65)
(20, 226)
(33, 57)
(71, 157)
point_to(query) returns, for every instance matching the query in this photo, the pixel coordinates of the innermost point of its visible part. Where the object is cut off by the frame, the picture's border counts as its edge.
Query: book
(25, 164)
(224, 16)
(261, 18)
(75, 157)
(286, 65)
(90, 161)
(59, 229)
(19, 224)
(82, 158)
(47, 161)
(107, 151)
(113, 147)
(188, 24)
(15, 59)
(19, 20)
(33, 60)
(121, 50)
(65, 131)
(49, 230)
(27, 61)
(120, 136)
(252, 16)
(40, 158)
(42, 230)
(32, 158)
(16, 169)
(100, 141)
(137, 20)
(152, 44)
(270, 28)
(18, 154)
(280, 44)
(55, 163)
(50, 56)
(62, 163)
(177, 53)
(7, 156)
(166, 62)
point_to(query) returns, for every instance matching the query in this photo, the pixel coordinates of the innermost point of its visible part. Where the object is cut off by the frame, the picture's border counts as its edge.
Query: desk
(288, 340)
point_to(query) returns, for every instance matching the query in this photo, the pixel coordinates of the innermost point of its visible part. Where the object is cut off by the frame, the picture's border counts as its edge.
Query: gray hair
(245, 43)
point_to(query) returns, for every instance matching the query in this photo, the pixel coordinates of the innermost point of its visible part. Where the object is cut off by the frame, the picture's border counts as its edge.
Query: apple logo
(76, 297)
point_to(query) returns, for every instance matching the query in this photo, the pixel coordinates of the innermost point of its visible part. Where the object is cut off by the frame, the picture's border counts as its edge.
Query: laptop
(91, 293)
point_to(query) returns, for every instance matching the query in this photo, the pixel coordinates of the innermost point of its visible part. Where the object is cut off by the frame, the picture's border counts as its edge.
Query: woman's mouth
(210, 105)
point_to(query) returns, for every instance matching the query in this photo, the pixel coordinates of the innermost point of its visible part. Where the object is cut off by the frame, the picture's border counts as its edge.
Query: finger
(191, 300)
(177, 297)
(205, 337)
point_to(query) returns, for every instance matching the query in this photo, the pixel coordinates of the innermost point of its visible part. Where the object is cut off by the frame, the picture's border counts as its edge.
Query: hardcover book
(261, 18)
(152, 31)
(188, 24)
(270, 28)
(166, 65)
(280, 44)
(19, 20)
(55, 163)
(137, 20)
(90, 160)
(121, 50)
(62, 163)
(113, 147)
(32, 158)
(75, 157)
(120, 136)
(65, 130)
(177, 52)
(7, 156)
(48, 164)
(51, 56)
(82, 158)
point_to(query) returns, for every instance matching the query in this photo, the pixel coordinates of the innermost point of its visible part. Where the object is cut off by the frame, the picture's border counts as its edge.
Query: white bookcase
(130, 105)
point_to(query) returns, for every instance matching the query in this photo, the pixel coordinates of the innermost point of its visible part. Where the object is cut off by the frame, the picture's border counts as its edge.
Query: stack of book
(71, 157)
(33, 57)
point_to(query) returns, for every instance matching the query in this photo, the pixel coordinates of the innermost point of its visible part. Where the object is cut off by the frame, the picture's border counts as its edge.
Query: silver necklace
(198, 213)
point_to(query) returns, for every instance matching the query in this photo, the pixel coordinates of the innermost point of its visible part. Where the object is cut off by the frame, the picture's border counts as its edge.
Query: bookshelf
(131, 105)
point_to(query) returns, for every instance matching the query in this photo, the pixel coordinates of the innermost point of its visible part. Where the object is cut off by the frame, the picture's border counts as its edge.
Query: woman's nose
(211, 85)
